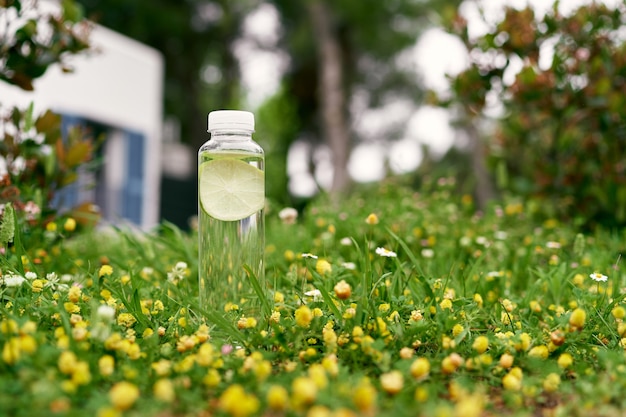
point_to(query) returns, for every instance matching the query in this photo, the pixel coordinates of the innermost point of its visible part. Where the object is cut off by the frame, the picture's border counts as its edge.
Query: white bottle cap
(231, 119)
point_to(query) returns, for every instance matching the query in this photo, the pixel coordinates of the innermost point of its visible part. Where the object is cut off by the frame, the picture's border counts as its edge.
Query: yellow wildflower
(81, 374)
(318, 374)
(343, 290)
(451, 362)
(304, 391)
(457, 329)
(105, 270)
(565, 360)
(163, 390)
(481, 344)
(445, 304)
(512, 381)
(540, 351)
(74, 294)
(323, 267)
(277, 398)
(303, 316)
(123, 395)
(506, 360)
(37, 285)
(420, 368)
(67, 362)
(552, 382)
(11, 351)
(69, 225)
(126, 319)
(392, 382)
(71, 307)
(364, 397)
(577, 319)
(371, 219)
(106, 364)
(619, 312)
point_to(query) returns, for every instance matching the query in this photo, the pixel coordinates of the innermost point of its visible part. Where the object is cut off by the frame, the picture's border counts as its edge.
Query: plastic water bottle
(231, 199)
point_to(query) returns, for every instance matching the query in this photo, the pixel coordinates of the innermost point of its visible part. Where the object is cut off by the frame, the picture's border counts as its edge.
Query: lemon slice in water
(231, 189)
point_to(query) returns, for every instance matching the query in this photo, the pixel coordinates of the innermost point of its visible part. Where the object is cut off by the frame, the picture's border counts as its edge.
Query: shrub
(562, 138)
(35, 161)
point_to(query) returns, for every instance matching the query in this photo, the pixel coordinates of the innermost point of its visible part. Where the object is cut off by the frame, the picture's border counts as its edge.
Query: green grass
(402, 335)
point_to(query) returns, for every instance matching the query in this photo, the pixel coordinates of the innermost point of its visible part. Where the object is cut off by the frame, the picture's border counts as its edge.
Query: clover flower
(506, 360)
(178, 272)
(304, 391)
(288, 215)
(511, 381)
(451, 363)
(105, 270)
(315, 294)
(481, 344)
(553, 245)
(106, 365)
(552, 382)
(343, 290)
(163, 390)
(303, 316)
(364, 397)
(105, 312)
(420, 368)
(345, 241)
(540, 352)
(123, 395)
(277, 398)
(565, 360)
(323, 267)
(392, 382)
(578, 318)
(13, 280)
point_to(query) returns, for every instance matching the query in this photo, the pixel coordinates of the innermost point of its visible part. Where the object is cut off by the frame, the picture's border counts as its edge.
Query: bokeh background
(507, 98)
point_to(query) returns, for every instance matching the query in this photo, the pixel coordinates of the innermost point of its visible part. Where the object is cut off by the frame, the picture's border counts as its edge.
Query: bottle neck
(231, 134)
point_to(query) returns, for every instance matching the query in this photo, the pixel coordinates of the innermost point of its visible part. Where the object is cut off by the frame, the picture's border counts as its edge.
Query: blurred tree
(562, 140)
(335, 48)
(196, 39)
(338, 48)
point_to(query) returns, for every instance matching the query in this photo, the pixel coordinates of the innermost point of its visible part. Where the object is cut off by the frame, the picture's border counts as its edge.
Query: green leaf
(28, 117)
(137, 311)
(72, 11)
(7, 224)
(47, 122)
(266, 308)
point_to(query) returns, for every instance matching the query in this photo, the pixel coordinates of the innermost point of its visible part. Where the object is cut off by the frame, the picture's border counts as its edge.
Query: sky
(435, 54)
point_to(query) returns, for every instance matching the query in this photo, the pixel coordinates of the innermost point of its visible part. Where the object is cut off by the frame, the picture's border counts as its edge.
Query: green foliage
(193, 36)
(562, 138)
(277, 128)
(422, 305)
(7, 225)
(35, 160)
(35, 40)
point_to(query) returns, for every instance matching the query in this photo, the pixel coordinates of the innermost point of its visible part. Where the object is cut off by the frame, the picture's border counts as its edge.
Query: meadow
(395, 302)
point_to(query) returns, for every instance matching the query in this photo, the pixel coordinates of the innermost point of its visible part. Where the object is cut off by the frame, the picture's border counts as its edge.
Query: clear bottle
(231, 197)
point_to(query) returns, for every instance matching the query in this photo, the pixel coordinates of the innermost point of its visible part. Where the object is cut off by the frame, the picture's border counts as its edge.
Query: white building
(117, 89)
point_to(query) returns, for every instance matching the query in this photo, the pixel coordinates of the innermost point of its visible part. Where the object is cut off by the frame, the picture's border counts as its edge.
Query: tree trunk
(331, 93)
(484, 187)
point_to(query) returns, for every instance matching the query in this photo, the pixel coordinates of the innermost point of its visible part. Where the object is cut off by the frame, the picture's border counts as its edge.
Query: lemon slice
(231, 189)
